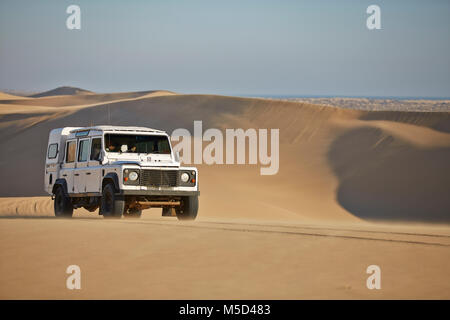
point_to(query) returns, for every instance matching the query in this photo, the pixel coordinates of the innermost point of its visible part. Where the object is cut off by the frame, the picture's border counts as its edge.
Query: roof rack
(117, 128)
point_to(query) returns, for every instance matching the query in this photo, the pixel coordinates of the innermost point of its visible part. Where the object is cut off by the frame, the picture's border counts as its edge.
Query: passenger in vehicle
(95, 153)
(111, 148)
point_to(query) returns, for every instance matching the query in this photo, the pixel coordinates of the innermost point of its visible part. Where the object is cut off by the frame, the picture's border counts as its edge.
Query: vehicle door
(93, 174)
(68, 165)
(51, 166)
(81, 168)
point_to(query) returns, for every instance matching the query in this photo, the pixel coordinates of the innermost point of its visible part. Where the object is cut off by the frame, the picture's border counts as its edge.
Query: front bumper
(158, 193)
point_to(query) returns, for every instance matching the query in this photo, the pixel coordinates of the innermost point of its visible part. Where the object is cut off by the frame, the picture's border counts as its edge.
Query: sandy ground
(355, 188)
(162, 258)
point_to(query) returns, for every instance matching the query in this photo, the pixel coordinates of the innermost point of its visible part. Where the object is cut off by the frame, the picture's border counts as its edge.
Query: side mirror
(177, 156)
(101, 156)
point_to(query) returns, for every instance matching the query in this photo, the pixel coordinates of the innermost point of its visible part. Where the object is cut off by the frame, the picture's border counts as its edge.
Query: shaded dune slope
(61, 91)
(382, 177)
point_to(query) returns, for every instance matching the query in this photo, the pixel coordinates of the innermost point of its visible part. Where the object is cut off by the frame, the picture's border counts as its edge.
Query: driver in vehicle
(111, 148)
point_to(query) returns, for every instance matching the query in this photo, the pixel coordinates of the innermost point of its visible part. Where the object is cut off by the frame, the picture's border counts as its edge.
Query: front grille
(159, 178)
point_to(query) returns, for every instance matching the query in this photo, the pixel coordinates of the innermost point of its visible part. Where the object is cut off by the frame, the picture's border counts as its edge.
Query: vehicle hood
(146, 163)
(143, 160)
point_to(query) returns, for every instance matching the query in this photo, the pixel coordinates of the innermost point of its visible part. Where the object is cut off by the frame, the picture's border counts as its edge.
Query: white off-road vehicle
(121, 170)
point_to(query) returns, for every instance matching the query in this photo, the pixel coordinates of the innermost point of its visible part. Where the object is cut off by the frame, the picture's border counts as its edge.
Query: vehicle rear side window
(83, 151)
(52, 151)
(96, 148)
(71, 151)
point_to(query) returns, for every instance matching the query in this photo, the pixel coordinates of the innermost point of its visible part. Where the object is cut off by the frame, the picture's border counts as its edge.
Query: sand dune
(62, 91)
(351, 183)
(322, 149)
(81, 99)
(7, 96)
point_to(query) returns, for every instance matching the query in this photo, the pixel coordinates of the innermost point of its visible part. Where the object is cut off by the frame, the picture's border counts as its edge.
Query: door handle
(76, 174)
(88, 173)
(64, 175)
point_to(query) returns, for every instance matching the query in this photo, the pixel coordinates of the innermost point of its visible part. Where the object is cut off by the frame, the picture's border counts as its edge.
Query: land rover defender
(118, 170)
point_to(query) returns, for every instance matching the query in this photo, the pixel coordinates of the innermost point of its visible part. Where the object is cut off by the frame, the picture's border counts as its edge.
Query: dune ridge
(81, 100)
(8, 96)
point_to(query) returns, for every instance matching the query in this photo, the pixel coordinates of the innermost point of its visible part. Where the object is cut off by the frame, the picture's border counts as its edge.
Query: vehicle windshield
(129, 143)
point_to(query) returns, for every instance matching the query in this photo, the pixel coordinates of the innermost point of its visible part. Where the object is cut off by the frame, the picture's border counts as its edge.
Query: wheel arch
(111, 177)
(60, 183)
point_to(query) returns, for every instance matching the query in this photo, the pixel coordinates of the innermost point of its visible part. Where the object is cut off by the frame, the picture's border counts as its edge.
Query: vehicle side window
(96, 148)
(83, 150)
(71, 150)
(52, 151)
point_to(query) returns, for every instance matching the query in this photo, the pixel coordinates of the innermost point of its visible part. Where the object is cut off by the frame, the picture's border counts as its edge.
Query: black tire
(62, 205)
(188, 209)
(111, 205)
(133, 213)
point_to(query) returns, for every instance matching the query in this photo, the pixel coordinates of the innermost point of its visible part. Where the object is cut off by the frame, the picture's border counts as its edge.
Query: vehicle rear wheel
(133, 213)
(63, 205)
(112, 206)
(188, 209)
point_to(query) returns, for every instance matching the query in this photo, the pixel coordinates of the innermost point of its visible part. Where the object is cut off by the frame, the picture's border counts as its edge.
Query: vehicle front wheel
(63, 205)
(188, 209)
(112, 206)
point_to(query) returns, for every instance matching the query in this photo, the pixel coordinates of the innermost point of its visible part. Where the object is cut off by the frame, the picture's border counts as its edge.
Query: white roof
(118, 129)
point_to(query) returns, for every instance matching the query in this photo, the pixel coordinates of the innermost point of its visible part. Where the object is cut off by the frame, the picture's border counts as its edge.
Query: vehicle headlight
(184, 177)
(133, 176)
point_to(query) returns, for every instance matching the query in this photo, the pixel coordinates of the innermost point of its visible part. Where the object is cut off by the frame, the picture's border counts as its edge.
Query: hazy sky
(229, 47)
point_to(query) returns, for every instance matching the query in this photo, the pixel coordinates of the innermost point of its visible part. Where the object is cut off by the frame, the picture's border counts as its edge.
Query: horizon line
(249, 95)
